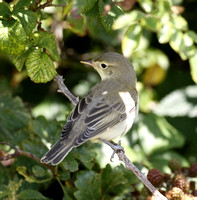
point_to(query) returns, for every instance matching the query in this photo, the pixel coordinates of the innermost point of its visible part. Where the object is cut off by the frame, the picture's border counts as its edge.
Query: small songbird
(105, 113)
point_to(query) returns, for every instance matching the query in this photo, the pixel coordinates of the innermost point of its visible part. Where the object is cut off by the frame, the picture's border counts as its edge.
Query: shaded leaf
(27, 18)
(193, 68)
(22, 4)
(69, 163)
(4, 191)
(4, 10)
(38, 171)
(88, 184)
(84, 5)
(131, 39)
(185, 106)
(12, 37)
(31, 194)
(156, 134)
(108, 16)
(40, 67)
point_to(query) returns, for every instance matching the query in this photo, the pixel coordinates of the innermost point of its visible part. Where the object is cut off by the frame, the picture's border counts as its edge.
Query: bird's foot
(114, 146)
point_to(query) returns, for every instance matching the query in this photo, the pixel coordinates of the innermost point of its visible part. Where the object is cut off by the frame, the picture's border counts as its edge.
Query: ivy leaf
(5, 10)
(156, 134)
(31, 194)
(108, 13)
(12, 37)
(27, 18)
(40, 67)
(193, 68)
(88, 184)
(47, 41)
(131, 39)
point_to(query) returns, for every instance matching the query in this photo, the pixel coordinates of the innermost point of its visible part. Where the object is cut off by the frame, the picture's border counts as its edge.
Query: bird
(107, 112)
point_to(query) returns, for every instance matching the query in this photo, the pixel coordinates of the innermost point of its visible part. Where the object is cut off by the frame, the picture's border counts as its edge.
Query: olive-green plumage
(106, 112)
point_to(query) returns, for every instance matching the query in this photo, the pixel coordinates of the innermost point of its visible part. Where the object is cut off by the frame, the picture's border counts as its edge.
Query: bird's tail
(57, 153)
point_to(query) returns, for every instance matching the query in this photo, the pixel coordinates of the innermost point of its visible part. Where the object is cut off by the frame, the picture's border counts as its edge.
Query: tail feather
(57, 153)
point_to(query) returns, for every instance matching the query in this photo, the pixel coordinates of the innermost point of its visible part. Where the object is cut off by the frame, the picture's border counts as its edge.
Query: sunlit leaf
(108, 13)
(131, 39)
(88, 184)
(179, 22)
(185, 106)
(193, 68)
(27, 18)
(40, 67)
(127, 19)
(150, 22)
(147, 5)
(156, 134)
(176, 41)
(193, 35)
(12, 37)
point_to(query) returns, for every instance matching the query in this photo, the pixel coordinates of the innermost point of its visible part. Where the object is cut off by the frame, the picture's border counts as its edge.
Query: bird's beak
(87, 62)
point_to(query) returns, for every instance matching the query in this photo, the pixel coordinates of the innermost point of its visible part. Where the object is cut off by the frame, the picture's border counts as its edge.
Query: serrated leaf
(152, 23)
(127, 19)
(19, 59)
(131, 39)
(108, 16)
(84, 5)
(22, 4)
(40, 67)
(147, 5)
(13, 117)
(31, 194)
(12, 37)
(27, 18)
(47, 41)
(157, 135)
(4, 10)
(193, 68)
(88, 184)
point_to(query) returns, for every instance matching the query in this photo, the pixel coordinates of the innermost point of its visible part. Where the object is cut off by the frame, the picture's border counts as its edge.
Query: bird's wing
(101, 117)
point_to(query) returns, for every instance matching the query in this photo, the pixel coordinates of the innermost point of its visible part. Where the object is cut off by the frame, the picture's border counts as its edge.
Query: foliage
(39, 36)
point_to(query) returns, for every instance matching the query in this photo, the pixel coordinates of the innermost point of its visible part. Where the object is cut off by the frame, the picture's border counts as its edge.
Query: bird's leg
(114, 146)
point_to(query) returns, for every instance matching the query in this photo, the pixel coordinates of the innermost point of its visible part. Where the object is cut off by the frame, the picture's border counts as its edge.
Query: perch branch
(19, 152)
(129, 165)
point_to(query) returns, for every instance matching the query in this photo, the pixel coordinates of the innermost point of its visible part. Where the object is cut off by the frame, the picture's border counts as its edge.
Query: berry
(175, 194)
(181, 182)
(155, 177)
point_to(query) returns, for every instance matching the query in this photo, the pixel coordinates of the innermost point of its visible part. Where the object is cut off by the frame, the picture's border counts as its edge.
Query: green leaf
(193, 68)
(64, 175)
(27, 18)
(22, 4)
(127, 19)
(4, 191)
(151, 22)
(108, 16)
(167, 29)
(12, 37)
(5, 10)
(31, 194)
(176, 41)
(156, 134)
(77, 23)
(38, 171)
(84, 5)
(47, 41)
(147, 5)
(69, 163)
(179, 22)
(40, 67)
(19, 59)
(131, 39)
(13, 117)
(88, 184)
(193, 35)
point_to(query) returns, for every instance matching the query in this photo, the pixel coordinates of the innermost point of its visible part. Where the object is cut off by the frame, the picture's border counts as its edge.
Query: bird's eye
(103, 65)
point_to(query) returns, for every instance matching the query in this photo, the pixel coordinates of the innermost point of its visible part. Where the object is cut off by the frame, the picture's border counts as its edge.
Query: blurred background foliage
(39, 38)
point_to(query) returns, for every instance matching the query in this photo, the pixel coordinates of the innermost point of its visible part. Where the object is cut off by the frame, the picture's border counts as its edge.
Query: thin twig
(19, 152)
(129, 165)
(63, 89)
